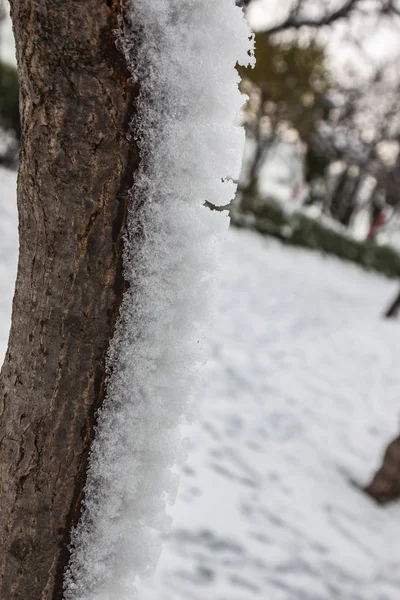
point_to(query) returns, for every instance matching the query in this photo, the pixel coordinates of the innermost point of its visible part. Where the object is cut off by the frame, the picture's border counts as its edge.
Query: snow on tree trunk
(187, 127)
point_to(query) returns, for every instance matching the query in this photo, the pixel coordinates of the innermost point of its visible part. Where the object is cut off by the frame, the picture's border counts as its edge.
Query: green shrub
(301, 230)
(9, 110)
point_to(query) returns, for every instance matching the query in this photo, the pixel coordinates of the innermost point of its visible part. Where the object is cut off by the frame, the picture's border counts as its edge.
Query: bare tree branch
(211, 206)
(294, 21)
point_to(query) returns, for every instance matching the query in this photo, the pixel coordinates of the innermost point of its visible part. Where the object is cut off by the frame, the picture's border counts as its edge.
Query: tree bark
(385, 485)
(75, 173)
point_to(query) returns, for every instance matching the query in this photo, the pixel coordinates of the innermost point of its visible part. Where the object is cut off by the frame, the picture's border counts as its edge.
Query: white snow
(8, 252)
(301, 395)
(7, 47)
(189, 101)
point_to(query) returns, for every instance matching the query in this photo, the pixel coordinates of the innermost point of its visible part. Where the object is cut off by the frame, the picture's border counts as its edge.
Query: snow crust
(182, 54)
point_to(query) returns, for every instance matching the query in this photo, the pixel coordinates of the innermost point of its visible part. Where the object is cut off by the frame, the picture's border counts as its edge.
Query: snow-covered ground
(7, 49)
(300, 396)
(8, 251)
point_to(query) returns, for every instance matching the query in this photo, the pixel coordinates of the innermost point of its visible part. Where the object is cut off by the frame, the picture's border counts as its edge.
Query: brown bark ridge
(75, 172)
(385, 485)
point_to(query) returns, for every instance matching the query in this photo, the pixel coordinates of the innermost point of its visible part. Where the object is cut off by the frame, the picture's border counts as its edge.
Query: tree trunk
(385, 486)
(344, 196)
(394, 308)
(337, 193)
(75, 172)
(350, 205)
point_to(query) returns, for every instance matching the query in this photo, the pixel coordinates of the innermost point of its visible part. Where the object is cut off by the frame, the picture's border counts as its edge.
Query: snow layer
(189, 102)
(301, 397)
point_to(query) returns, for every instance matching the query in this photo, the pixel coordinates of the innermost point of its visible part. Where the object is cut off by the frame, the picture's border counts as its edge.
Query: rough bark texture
(76, 168)
(385, 486)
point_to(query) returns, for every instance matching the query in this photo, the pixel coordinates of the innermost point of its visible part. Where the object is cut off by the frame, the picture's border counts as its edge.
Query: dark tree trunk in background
(350, 205)
(76, 169)
(394, 308)
(337, 193)
(385, 486)
(344, 196)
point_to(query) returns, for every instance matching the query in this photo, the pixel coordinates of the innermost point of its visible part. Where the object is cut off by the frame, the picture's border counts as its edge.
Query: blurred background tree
(346, 130)
(287, 96)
